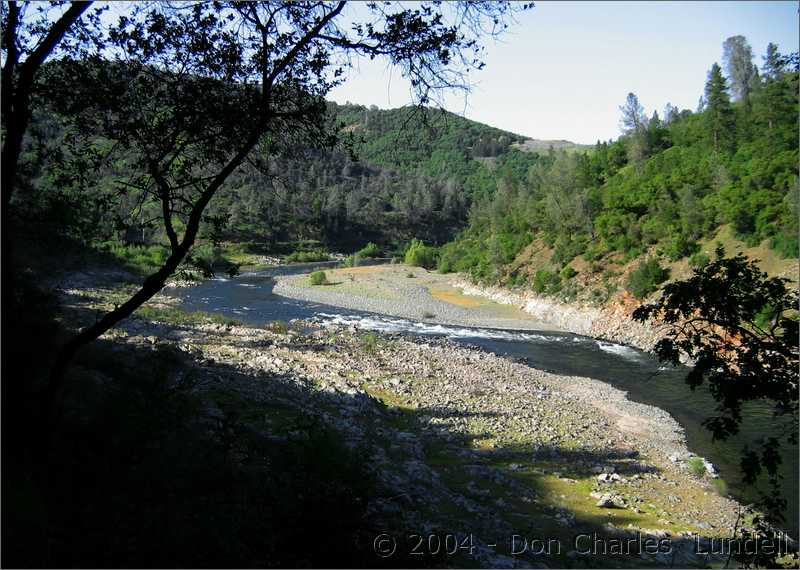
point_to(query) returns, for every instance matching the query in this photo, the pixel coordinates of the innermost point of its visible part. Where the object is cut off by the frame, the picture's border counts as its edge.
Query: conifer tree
(719, 112)
(634, 124)
(773, 63)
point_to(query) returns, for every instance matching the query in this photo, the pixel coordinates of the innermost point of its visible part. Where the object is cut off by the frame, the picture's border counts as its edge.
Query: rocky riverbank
(612, 322)
(462, 441)
(416, 294)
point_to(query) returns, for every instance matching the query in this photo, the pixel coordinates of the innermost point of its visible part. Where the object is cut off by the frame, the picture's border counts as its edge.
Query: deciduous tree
(195, 91)
(740, 328)
(737, 56)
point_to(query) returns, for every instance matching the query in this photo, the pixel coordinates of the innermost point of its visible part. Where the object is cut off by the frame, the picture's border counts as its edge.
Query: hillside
(617, 222)
(397, 174)
(490, 195)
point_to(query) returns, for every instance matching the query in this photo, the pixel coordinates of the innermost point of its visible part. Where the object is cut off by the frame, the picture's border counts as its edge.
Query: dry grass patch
(454, 296)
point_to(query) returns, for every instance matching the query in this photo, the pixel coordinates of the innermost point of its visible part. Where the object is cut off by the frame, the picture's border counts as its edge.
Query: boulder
(609, 501)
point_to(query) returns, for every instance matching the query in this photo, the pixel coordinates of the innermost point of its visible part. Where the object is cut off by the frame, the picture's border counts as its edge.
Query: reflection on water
(249, 298)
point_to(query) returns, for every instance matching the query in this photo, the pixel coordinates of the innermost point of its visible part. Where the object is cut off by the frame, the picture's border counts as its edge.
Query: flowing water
(249, 298)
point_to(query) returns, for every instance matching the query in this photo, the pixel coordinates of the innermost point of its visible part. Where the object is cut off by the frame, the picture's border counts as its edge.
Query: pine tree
(718, 110)
(701, 104)
(774, 63)
(634, 124)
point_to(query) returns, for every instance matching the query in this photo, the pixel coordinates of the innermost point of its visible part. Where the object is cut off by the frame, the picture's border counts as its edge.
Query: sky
(564, 68)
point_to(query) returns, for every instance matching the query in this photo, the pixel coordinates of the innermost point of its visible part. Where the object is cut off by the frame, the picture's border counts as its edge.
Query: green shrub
(720, 486)
(646, 278)
(568, 273)
(699, 260)
(138, 258)
(445, 265)
(318, 278)
(370, 250)
(427, 315)
(598, 296)
(179, 316)
(787, 245)
(679, 246)
(369, 342)
(308, 256)
(696, 466)
(593, 253)
(546, 282)
(206, 253)
(206, 258)
(632, 253)
(352, 260)
(420, 255)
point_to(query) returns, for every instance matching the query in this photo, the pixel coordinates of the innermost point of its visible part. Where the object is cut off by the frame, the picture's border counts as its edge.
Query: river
(249, 298)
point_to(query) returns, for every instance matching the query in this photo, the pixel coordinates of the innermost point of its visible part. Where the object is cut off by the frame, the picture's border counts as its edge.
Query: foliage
(699, 260)
(676, 187)
(370, 342)
(352, 260)
(567, 273)
(696, 466)
(740, 328)
(318, 278)
(666, 183)
(140, 258)
(370, 250)
(546, 282)
(178, 316)
(677, 246)
(420, 255)
(719, 113)
(173, 100)
(646, 278)
(307, 256)
(720, 486)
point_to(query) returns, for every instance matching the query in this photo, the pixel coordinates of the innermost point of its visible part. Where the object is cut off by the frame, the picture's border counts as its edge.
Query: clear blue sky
(563, 71)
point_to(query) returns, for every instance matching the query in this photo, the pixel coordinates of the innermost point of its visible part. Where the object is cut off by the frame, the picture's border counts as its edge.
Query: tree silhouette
(195, 91)
(740, 328)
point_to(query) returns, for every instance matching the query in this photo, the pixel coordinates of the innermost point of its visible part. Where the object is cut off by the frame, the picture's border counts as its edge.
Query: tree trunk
(17, 86)
(152, 285)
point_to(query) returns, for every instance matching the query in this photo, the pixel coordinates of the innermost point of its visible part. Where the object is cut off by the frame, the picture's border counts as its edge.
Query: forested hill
(514, 210)
(667, 190)
(401, 174)
(405, 173)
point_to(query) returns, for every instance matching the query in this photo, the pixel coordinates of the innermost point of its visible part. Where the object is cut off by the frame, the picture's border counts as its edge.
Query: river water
(249, 298)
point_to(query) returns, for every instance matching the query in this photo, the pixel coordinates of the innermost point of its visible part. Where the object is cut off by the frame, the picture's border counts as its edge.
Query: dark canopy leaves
(740, 328)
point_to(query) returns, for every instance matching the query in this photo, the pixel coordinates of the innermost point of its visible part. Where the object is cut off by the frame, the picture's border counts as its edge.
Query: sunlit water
(249, 298)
